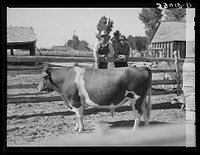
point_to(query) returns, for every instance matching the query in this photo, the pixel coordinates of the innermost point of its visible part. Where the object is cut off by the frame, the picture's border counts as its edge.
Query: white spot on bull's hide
(81, 86)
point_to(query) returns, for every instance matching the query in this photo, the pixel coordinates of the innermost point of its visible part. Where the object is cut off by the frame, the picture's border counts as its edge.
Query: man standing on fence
(102, 50)
(122, 52)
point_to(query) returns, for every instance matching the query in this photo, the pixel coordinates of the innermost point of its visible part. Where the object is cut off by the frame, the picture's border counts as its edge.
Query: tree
(175, 14)
(104, 24)
(131, 42)
(75, 42)
(83, 45)
(115, 38)
(150, 17)
(70, 43)
(138, 43)
(141, 43)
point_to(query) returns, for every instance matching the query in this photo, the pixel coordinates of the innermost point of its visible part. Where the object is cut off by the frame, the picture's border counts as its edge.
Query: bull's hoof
(79, 131)
(76, 127)
(183, 107)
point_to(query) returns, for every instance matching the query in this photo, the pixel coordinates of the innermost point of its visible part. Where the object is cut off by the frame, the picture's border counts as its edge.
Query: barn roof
(170, 31)
(17, 34)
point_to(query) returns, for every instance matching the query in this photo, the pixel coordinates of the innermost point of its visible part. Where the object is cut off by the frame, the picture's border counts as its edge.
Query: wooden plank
(35, 85)
(157, 48)
(136, 59)
(48, 59)
(27, 72)
(58, 98)
(11, 67)
(177, 73)
(178, 48)
(20, 67)
(168, 50)
(26, 94)
(78, 59)
(163, 82)
(23, 72)
(165, 70)
(33, 99)
(164, 92)
(46, 93)
(68, 55)
(20, 86)
(171, 49)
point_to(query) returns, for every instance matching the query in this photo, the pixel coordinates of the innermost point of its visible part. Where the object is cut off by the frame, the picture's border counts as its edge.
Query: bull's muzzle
(41, 89)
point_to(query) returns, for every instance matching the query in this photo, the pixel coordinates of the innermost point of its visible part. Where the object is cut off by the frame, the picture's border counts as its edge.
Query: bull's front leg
(78, 111)
(79, 116)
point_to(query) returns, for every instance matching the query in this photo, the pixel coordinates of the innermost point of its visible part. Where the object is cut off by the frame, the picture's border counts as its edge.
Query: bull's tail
(149, 92)
(148, 104)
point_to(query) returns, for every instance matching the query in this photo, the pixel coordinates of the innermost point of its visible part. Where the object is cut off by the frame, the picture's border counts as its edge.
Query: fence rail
(34, 85)
(12, 99)
(36, 97)
(83, 59)
(26, 72)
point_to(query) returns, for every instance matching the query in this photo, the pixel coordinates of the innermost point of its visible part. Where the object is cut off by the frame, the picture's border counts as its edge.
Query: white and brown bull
(100, 88)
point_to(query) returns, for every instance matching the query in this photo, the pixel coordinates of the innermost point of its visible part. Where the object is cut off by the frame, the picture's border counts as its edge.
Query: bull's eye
(46, 77)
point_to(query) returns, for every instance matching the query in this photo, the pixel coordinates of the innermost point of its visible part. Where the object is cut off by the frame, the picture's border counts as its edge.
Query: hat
(122, 37)
(103, 33)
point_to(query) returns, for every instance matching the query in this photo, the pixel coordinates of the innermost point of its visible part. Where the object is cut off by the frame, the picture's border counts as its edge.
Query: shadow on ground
(130, 123)
(89, 111)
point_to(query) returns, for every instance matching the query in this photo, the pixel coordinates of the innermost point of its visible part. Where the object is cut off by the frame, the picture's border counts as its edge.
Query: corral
(33, 116)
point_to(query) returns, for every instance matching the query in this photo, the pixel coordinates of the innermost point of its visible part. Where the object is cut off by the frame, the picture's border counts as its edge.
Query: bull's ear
(46, 65)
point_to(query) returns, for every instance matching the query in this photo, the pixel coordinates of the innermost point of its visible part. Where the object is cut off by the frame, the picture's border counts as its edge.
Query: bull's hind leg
(136, 115)
(145, 113)
(146, 108)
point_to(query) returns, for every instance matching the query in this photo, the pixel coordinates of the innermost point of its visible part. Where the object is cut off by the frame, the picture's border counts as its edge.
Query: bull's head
(46, 81)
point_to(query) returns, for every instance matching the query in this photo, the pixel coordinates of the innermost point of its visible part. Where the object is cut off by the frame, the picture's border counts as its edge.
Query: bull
(100, 88)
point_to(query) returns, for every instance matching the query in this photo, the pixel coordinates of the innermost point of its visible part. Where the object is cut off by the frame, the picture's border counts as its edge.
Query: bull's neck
(56, 81)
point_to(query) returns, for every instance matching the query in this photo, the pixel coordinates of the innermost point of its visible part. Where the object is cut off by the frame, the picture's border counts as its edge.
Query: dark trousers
(120, 64)
(103, 65)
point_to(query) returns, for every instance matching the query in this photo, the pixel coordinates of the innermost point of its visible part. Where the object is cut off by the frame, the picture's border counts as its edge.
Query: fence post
(177, 73)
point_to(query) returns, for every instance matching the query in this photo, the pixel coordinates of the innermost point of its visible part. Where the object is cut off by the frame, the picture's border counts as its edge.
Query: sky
(55, 25)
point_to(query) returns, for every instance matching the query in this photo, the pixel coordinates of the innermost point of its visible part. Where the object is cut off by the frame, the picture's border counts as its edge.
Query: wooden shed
(169, 36)
(21, 38)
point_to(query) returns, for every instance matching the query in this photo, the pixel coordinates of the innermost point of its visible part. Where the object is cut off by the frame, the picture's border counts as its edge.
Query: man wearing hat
(122, 52)
(102, 50)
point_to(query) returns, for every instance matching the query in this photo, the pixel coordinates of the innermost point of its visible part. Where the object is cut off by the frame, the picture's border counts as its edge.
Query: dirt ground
(32, 122)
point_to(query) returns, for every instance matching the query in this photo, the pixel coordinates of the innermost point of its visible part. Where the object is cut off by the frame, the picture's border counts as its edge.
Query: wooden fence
(40, 97)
